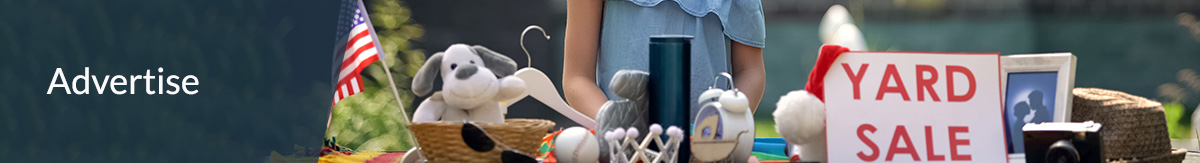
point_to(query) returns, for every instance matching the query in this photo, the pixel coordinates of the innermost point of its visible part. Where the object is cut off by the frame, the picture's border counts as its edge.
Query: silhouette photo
(1029, 99)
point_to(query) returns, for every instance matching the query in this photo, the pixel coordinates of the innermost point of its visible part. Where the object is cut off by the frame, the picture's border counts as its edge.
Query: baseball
(576, 144)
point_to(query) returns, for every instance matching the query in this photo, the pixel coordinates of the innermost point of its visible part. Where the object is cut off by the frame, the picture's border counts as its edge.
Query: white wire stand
(622, 140)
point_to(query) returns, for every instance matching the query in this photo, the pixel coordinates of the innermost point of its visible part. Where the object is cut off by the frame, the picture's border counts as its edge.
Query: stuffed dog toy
(474, 81)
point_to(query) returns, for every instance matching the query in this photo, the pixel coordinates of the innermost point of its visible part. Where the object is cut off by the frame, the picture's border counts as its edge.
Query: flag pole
(395, 92)
(387, 69)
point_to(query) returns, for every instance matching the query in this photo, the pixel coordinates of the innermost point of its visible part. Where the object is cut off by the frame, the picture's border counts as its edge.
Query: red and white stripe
(360, 52)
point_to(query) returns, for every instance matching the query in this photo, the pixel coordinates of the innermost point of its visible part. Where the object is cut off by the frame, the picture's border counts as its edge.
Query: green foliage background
(372, 120)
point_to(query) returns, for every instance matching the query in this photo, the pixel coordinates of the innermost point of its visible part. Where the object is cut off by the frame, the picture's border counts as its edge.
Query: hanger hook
(529, 60)
(727, 76)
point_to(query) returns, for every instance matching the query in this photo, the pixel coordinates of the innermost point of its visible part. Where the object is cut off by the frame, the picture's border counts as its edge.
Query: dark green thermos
(670, 79)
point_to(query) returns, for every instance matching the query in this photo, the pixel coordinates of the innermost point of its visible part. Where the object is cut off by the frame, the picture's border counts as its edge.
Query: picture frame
(1031, 83)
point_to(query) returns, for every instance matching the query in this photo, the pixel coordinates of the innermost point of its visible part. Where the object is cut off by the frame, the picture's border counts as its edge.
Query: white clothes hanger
(542, 89)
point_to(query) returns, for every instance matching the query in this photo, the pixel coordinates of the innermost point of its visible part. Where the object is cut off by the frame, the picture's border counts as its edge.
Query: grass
(765, 129)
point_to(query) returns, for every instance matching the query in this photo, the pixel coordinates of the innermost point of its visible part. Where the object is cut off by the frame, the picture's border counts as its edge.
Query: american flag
(360, 52)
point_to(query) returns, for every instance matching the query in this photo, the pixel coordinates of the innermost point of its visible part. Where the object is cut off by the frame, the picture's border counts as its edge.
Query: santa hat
(816, 78)
(805, 109)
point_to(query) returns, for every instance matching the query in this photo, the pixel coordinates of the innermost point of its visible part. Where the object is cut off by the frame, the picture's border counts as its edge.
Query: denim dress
(628, 25)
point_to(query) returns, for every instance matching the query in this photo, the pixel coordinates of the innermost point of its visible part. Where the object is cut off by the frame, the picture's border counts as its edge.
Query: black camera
(1055, 142)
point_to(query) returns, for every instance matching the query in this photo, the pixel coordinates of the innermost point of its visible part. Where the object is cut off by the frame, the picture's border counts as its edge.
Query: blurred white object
(834, 18)
(837, 28)
(1193, 143)
(849, 36)
(1195, 119)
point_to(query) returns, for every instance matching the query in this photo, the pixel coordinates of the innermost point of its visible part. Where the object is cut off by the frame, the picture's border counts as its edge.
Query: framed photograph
(1035, 88)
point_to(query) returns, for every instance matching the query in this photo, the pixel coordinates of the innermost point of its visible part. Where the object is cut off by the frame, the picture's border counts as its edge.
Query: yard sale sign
(914, 107)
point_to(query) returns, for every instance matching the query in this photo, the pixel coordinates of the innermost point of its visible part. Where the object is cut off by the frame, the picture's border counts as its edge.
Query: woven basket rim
(443, 143)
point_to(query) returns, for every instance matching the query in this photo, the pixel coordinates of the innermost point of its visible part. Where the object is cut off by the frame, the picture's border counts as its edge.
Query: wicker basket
(442, 141)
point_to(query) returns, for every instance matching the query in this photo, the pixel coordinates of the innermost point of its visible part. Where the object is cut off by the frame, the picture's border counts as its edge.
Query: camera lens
(1062, 151)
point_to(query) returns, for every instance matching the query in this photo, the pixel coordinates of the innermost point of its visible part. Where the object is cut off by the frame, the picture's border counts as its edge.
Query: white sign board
(914, 107)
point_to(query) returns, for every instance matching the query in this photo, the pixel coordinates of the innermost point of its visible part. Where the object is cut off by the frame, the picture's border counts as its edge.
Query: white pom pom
(674, 132)
(609, 135)
(618, 133)
(655, 129)
(632, 132)
(800, 117)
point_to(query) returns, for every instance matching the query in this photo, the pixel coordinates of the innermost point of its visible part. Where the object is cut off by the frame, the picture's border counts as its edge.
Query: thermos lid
(670, 38)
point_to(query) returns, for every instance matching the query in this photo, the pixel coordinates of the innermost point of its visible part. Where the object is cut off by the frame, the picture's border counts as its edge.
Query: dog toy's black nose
(465, 71)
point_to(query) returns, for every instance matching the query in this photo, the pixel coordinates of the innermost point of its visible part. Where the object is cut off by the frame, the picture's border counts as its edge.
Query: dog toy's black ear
(422, 83)
(499, 64)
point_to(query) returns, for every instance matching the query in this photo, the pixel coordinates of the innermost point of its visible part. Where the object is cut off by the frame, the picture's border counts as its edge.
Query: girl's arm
(579, 59)
(748, 73)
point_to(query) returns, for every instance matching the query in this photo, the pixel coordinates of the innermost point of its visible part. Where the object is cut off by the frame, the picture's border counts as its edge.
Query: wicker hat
(1135, 127)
